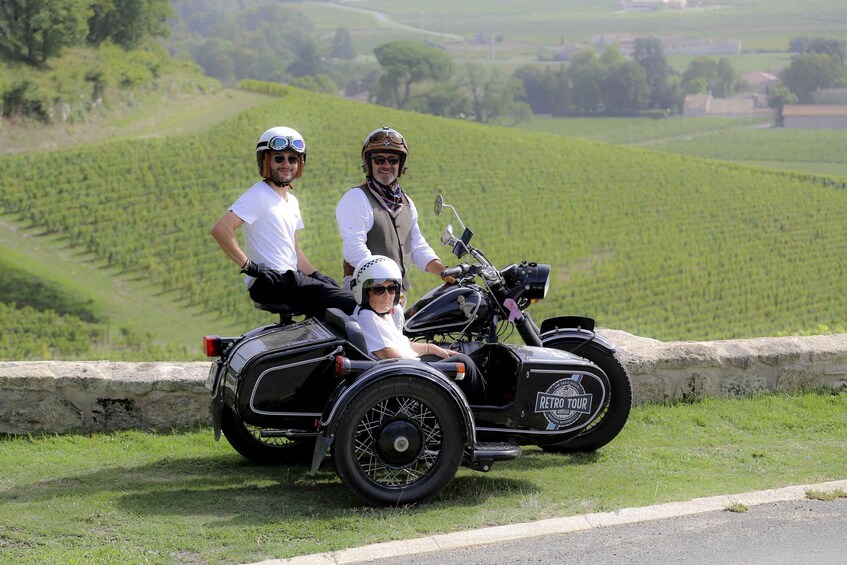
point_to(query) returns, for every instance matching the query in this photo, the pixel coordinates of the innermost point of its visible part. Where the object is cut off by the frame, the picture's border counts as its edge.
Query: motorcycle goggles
(281, 143)
(387, 137)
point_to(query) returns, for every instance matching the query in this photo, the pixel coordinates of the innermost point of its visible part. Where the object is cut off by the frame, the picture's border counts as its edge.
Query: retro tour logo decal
(564, 402)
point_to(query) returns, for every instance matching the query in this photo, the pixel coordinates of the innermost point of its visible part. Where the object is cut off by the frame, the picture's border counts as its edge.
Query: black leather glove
(263, 272)
(324, 279)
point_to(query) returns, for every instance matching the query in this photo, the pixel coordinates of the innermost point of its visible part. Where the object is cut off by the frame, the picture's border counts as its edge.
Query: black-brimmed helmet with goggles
(374, 271)
(279, 138)
(384, 140)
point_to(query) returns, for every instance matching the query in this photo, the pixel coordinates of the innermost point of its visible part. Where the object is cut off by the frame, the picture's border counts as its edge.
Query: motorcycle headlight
(529, 281)
(537, 282)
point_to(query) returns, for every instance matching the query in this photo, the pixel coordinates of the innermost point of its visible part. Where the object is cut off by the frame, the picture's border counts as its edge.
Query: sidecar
(397, 430)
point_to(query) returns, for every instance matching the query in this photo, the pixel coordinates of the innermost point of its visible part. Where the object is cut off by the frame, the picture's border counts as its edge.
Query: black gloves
(317, 275)
(263, 272)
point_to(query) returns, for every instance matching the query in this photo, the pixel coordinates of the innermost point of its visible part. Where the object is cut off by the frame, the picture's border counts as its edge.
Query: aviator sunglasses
(292, 159)
(380, 290)
(381, 160)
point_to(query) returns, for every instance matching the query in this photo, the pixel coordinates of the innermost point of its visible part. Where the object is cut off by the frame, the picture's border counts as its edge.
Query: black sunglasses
(380, 290)
(281, 159)
(381, 160)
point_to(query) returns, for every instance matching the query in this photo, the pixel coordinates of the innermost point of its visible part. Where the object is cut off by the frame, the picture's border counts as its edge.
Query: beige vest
(391, 234)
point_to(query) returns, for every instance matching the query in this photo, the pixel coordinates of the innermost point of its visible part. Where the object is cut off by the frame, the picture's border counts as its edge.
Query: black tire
(247, 441)
(610, 421)
(399, 441)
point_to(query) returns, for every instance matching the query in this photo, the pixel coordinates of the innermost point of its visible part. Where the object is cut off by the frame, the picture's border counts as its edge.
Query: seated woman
(376, 288)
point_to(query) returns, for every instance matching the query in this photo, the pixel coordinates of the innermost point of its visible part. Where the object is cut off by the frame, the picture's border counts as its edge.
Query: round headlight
(538, 281)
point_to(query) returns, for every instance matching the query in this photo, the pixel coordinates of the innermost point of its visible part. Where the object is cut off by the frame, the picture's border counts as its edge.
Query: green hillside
(660, 245)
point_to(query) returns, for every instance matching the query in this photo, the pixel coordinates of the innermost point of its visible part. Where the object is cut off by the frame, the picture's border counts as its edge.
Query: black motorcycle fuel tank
(448, 308)
(282, 370)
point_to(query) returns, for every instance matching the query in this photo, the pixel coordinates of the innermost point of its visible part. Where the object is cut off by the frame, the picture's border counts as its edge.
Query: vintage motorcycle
(398, 430)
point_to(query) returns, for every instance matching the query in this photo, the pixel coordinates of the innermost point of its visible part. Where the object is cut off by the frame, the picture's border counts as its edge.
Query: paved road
(779, 526)
(801, 531)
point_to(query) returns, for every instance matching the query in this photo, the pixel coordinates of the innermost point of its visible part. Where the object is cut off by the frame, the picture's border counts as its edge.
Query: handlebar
(457, 271)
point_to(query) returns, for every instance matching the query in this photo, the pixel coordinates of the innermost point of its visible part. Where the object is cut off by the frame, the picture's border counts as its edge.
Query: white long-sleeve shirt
(355, 219)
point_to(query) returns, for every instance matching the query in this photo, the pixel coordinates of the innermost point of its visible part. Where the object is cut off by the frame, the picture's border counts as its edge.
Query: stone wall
(60, 397)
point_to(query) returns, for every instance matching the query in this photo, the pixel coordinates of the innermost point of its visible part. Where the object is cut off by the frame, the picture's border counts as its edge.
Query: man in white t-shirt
(376, 286)
(277, 271)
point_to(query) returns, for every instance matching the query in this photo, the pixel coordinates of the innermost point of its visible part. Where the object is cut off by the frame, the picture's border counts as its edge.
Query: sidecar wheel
(247, 441)
(400, 441)
(610, 421)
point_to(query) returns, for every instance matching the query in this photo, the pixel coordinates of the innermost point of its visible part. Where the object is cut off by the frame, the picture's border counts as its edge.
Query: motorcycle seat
(348, 327)
(285, 311)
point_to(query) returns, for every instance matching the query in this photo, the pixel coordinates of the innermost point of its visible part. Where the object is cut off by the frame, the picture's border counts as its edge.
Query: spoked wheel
(248, 441)
(611, 419)
(399, 441)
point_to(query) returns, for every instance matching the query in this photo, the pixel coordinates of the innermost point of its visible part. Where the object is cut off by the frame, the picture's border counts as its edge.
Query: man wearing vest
(377, 217)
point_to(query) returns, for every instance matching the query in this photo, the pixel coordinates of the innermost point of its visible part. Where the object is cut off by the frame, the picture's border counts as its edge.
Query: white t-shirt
(355, 218)
(381, 332)
(270, 226)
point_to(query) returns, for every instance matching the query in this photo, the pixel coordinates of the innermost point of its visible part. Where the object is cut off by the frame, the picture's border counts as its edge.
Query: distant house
(815, 116)
(759, 81)
(701, 105)
(643, 5)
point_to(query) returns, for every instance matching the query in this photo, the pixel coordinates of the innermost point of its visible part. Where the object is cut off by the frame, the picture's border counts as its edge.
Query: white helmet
(280, 139)
(374, 270)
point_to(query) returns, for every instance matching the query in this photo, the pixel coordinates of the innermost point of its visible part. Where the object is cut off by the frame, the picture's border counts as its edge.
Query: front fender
(338, 403)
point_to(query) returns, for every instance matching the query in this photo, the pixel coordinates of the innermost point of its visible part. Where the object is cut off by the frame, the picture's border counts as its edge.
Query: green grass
(131, 497)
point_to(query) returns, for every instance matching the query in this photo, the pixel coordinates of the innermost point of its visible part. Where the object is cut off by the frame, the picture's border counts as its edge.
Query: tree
(650, 55)
(342, 45)
(406, 63)
(493, 95)
(778, 98)
(811, 71)
(833, 47)
(704, 74)
(35, 30)
(624, 88)
(307, 58)
(128, 23)
(585, 74)
(547, 91)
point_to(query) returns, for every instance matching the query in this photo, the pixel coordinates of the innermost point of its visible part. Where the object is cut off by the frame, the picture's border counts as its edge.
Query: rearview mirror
(447, 236)
(439, 205)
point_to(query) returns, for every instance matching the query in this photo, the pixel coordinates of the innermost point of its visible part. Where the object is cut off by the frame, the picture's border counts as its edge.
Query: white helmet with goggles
(373, 271)
(280, 139)
(384, 140)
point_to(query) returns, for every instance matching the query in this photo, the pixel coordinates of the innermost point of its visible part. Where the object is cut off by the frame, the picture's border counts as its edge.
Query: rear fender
(573, 327)
(384, 370)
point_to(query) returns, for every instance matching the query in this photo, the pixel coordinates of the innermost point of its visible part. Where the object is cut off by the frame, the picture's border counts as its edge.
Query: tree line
(33, 31)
